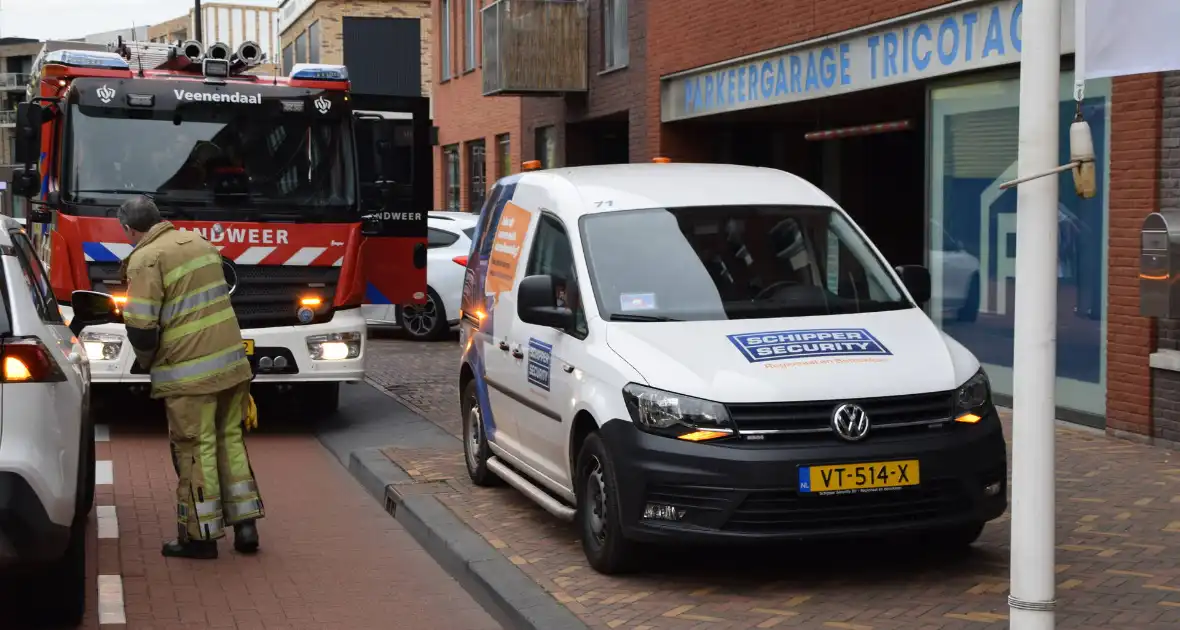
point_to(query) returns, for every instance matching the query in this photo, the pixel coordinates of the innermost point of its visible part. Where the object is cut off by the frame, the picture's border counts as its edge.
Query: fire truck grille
(265, 296)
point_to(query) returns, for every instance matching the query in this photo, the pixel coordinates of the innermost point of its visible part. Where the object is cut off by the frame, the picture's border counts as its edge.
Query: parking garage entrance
(865, 150)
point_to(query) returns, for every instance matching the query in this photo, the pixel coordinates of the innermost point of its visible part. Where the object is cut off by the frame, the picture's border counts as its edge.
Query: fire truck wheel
(424, 322)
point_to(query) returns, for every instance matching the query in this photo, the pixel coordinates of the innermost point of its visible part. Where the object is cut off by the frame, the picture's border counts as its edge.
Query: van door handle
(517, 353)
(567, 368)
(504, 346)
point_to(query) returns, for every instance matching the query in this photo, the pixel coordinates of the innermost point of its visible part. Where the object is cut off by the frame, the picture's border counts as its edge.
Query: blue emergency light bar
(87, 59)
(319, 72)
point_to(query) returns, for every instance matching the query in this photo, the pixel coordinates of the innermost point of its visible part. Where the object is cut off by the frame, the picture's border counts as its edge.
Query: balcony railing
(13, 80)
(535, 47)
(8, 118)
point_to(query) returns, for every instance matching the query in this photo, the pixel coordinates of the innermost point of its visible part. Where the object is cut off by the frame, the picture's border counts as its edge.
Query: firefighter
(183, 329)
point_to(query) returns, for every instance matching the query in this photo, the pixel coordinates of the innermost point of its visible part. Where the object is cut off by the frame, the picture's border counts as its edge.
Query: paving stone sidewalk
(1118, 545)
(331, 558)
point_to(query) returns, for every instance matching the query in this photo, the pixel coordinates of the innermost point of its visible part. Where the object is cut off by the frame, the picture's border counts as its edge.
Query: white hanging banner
(1130, 37)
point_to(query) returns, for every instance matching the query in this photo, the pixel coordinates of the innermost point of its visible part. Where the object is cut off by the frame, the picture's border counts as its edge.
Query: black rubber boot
(246, 537)
(194, 549)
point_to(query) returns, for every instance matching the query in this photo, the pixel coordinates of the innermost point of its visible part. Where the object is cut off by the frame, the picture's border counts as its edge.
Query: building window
(546, 146)
(477, 183)
(288, 57)
(301, 48)
(313, 42)
(973, 141)
(616, 45)
(503, 155)
(451, 176)
(469, 35)
(444, 40)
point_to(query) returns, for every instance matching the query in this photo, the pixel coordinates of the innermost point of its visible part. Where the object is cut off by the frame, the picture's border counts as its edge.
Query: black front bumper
(750, 491)
(27, 536)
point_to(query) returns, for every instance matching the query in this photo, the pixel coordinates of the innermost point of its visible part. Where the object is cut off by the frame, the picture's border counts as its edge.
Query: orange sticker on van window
(506, 248)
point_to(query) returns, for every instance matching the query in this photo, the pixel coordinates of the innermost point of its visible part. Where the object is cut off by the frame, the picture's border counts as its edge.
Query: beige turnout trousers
(216, 485)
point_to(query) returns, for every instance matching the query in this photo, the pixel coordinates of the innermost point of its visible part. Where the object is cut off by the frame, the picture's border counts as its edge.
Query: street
(1118, 539)
(331, 557)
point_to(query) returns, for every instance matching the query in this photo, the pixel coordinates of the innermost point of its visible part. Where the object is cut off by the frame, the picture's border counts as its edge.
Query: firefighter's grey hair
(139, 213)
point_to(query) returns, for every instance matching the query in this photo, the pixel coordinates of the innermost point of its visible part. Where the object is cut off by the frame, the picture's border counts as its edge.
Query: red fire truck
(264, 167)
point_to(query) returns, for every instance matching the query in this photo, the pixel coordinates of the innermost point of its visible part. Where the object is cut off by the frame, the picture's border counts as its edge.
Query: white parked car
(446, 260)
(47, 443)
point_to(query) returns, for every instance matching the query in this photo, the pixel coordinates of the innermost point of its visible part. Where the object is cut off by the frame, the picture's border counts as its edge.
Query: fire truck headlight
(101, 346)
(334, 346)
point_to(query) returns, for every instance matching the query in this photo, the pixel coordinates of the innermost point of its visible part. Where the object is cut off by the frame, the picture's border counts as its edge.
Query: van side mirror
(92, 308)
(536, 303)
(916, 279)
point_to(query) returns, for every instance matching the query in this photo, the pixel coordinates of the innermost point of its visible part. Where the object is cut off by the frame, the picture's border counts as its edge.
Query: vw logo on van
(850, 422)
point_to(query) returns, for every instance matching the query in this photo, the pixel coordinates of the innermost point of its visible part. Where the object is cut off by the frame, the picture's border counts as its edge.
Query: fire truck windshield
(211, 161)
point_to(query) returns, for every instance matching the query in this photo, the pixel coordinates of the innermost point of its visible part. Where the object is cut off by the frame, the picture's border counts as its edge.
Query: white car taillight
(27, 360)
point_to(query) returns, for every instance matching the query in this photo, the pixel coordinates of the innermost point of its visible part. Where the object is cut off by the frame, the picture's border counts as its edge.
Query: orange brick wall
(462, 113)
(1134, 193)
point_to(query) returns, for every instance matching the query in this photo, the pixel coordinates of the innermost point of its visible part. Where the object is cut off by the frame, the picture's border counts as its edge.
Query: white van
(710, 353)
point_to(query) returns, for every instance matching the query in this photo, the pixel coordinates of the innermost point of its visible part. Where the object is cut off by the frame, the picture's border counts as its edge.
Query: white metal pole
(1032, 597)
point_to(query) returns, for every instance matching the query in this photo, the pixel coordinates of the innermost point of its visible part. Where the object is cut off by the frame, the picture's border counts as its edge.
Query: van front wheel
(606, 549)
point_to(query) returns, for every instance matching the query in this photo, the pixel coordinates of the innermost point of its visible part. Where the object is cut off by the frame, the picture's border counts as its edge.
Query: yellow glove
(251, 421)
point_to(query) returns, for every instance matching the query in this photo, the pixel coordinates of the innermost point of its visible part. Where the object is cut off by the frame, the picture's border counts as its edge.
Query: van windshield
(733, 262)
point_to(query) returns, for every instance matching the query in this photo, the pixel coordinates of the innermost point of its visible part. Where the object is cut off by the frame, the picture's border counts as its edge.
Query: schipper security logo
(105, 93)
(323, 105)
(784, 345)
(218, 97)
(540, 356)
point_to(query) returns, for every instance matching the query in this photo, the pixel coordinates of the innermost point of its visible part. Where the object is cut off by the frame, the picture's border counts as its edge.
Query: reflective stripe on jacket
(175, 284)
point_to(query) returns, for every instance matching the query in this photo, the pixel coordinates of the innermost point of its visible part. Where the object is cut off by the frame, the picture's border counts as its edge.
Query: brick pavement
(423, 376)
(330, 557)
(1118, 547)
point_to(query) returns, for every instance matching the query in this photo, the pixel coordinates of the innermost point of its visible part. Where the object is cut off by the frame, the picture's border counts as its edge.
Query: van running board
(530, 490)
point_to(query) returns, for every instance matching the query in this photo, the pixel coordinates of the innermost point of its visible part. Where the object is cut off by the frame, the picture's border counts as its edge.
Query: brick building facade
(473, 123)
(1117, 370)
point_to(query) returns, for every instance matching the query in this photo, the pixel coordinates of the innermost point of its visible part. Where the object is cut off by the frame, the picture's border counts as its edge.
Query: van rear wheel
(475, 441)
(598, 518)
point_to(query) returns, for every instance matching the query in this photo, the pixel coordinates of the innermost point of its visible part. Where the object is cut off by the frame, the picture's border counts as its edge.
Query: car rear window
(440, 238)
(470, 232)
